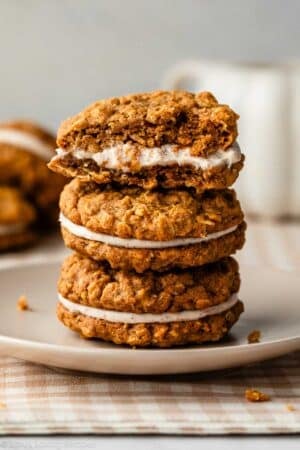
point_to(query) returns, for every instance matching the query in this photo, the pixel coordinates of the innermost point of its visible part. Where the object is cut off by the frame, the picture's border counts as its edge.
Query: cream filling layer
(83, 232)
(123, 156)
(125, 317)
(11, 229)
(26, 141)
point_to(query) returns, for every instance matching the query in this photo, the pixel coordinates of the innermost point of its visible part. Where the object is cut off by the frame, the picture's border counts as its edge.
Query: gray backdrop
(59, 55)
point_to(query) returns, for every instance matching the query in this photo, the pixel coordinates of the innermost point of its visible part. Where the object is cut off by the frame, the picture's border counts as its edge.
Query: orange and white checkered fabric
(39, 400)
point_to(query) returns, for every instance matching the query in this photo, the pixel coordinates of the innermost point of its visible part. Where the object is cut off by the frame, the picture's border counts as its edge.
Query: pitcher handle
(183, 76)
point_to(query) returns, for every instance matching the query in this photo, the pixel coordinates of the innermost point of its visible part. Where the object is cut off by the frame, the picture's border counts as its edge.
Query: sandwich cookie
(17, 220)
(25, 149)
(166, 139)
(171, 308)
(131, 228)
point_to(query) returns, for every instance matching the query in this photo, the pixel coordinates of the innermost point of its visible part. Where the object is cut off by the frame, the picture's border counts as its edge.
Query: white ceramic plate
(271, 300)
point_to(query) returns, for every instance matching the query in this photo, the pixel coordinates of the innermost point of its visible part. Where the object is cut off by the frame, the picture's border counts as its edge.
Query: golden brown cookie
(162, 138)
(135, 229)
(25, 149)
(152, 119)
(208, 329)
(17, 220)
(150, 309)
(134, 213)
(94, 284)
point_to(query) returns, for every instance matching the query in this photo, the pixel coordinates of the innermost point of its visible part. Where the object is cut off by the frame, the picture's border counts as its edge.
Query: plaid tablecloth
(39, 400)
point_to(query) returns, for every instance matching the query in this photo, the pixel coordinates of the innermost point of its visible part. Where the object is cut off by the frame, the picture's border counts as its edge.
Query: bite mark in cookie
(151, 120)
(144, 139)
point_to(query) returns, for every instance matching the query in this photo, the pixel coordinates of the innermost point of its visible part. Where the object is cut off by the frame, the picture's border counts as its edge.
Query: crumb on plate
(253, 395)
(2, 405)
(254, 337)
(22, 303)
(290, 407)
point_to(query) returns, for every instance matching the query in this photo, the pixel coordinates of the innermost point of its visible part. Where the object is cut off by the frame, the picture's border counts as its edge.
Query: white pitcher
(267, 98)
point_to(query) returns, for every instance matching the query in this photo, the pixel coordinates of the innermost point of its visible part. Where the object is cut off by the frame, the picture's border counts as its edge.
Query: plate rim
(122, 349)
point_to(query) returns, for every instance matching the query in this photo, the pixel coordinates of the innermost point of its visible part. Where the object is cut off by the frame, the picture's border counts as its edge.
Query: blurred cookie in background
(17, 220)
(25, 149)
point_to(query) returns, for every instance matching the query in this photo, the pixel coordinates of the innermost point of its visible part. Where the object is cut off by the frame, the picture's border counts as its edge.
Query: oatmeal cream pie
(17, 218)
(132, 228)
(163, 138)
(150, 309)
(25, 148)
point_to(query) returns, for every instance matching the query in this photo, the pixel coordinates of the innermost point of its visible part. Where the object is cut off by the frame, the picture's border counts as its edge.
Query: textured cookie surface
(25, 170)
(152, 119)
(93, 284)
(17, 217)
(149, 215)
(210, 328)
(14, 208)
(141, 260)
(17, 241)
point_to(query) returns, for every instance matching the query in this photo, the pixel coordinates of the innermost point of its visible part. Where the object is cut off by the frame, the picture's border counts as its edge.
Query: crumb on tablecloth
(253, 395)
(290, 407)
(22, 303)
(254, 337)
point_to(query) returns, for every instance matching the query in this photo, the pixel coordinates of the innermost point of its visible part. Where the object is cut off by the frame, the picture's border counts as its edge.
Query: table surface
(163, 442)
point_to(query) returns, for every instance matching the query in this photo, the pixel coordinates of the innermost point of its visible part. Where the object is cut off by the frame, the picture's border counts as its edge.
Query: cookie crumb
(290, 408)
(254, 337)
(22, 303)
(253, 395)
(2, 405)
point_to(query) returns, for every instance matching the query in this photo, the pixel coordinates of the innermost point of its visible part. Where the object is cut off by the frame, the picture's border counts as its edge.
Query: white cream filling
(166, 155)
(83, 232)
(125, 317)
(11, 229)
(26, 141)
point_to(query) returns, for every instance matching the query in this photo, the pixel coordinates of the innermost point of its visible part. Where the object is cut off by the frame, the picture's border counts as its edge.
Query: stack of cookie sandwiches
(29, 191)
(151, 219)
